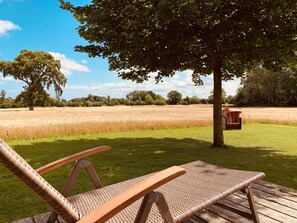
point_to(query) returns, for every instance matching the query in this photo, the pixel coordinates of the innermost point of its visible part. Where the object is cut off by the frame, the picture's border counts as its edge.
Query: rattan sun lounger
(177, 195)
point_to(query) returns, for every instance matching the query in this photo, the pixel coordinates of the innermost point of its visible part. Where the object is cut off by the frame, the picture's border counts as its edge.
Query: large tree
(268, 88)
(39, 70)
(174, 97)
(208, 37)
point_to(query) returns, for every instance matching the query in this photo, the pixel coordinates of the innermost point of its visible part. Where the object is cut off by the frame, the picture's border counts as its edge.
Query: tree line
(133, 98)
(260, 87)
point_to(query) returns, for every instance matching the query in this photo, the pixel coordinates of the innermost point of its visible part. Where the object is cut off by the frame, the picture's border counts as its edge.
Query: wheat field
(48, 122)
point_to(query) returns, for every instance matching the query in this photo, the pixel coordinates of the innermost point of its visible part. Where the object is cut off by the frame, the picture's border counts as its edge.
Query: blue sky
(42, 25)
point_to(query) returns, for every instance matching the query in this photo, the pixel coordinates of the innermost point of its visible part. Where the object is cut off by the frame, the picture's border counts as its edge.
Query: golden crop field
(45, 122)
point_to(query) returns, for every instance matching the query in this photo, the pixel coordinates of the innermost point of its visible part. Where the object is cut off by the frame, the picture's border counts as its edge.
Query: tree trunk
(30, 100)
(218, 137)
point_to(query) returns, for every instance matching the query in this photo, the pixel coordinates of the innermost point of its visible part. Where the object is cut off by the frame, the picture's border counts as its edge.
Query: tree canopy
(265, 87)
(216, 37)
(174, 97)
(39, 70)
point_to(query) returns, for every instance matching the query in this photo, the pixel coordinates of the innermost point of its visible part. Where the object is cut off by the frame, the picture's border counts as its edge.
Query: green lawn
(268, 148)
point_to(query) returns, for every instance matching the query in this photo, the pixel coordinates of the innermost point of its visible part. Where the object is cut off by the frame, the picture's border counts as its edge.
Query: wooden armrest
(129, 196)
(71, 158)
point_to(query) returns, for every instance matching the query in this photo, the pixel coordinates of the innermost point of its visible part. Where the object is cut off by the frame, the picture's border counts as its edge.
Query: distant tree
(91, 98)
(2, 96)
(239, 98)
(288, 93)
(194, 100)
(223, 97)
(136, 95)
(216, 37)
(204, 101)
(160, 100)
(149, 99)
(39, 70)
(261, 86)
(152, 94)
(187, 99)
(174, 97)
(230, 99)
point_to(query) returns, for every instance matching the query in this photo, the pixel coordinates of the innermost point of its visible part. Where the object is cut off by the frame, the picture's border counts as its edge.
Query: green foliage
(97, 104)
(73, 104)
(132, 103)
(204, 101)
(194, 100)
(39, 70)
(230, 99)
(224, 97)
(2, 96)
(160, 102)
(166, 36)
(140, 95)
(174, 97)
(88, 104)
(6, 105)
(61, 104)
(269, 88)
(149, 100)
(115, 101)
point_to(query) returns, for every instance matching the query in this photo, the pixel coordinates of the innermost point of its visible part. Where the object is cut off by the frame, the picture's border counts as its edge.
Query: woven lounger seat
(177, 196)
(201, 186)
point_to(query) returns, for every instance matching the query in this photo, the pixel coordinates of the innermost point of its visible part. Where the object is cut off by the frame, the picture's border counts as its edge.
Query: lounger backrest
(19, 167)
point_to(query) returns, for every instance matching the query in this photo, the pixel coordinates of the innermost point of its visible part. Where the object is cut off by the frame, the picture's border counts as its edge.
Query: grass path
(260, 147)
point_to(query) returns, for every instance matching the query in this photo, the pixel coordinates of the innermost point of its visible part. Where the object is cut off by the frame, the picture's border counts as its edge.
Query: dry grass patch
(53, 130)
(47, 122)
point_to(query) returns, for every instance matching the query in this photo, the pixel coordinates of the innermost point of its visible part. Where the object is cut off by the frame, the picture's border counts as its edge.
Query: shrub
(204, 101)
(88, 104)
(115, 101)
(142, 103)
(110, 103)
(60, 104)
(15, 105)
(73, 104)
(149, 99)
(97, 104)
(194, 100)
(6, 105)
(132, 103)
(160, 102)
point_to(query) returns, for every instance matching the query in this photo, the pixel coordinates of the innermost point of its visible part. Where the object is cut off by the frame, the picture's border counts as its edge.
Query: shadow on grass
(128, 158)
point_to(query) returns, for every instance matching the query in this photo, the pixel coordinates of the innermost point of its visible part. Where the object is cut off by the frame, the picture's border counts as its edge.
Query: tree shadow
(132, 157)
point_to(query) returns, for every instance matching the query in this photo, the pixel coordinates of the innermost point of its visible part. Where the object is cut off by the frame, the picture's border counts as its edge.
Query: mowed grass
(259, 147)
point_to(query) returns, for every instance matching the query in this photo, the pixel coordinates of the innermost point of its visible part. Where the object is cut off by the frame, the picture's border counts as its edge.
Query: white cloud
(182, 83)
(231, 86)
(6, 79)
(6, 26)
(84, 61)
(69, 65)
